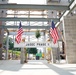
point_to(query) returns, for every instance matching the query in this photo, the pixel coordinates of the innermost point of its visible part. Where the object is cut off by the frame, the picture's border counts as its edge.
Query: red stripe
(20, 31)
(19, 35)
(54, 35)
(18, 39)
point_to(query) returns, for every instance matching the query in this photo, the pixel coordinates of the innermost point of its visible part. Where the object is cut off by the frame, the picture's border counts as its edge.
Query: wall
(70, 37)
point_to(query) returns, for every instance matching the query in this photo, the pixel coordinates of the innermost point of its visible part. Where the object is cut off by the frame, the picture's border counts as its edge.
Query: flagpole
(50, 41)
(18, 40)
(62, 35)
(52, 59)
(52, 33)
(64, 43)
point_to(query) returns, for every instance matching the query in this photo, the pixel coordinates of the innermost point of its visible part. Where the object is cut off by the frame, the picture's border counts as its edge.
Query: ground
(35, 67)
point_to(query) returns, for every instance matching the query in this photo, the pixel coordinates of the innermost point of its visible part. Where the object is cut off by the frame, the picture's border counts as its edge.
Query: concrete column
(1, 42)
(22, 56)
(28, 35)
(44, 36)
(7, 47)
(70, 38)
(54, 55)
(44, 47)
(0, 53)
(0, 47)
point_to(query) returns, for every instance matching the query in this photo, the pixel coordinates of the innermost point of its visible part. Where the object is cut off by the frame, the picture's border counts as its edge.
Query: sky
(28, 1)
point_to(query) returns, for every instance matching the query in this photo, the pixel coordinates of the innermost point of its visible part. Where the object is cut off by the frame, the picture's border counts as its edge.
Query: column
(54, 55)
(22, 56)
(69, 23)
(44, 35)
(1, 42)
(44, 47)
(7, 47)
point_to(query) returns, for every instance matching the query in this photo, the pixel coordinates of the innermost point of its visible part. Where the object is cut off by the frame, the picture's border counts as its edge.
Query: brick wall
(70, 35)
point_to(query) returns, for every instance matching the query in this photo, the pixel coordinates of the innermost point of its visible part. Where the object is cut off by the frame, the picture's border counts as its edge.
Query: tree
(37, 34)
(11, 43)
(4, 41)
(31, 50)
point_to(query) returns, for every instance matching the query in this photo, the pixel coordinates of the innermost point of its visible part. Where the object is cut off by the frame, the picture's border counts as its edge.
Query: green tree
(11, 43)
(37, 34)
(31, 50)
(4, 41)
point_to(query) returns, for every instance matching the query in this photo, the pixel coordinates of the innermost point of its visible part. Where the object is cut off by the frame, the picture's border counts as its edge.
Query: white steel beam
(27, 27)
(28, 19)
(33, 7)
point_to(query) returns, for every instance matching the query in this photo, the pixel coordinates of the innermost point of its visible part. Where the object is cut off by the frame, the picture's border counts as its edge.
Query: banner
(34, 44)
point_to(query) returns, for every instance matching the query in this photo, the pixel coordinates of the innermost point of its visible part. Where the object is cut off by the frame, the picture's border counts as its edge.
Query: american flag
(19, 34)
(54, 33)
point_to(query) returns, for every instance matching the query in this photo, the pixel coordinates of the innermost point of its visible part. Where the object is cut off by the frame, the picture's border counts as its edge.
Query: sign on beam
(34, 44)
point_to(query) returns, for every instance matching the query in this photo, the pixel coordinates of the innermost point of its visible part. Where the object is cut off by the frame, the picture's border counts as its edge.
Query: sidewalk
(35, 67)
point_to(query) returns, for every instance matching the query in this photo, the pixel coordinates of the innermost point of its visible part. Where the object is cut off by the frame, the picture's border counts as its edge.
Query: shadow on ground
(10, 65)
(60, 71)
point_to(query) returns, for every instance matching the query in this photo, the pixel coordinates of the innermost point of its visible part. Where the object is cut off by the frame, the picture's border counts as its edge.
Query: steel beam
(27, 14)
(72, 5)
(25, 33)
(29, 19)
(27, 27)
(33, 7)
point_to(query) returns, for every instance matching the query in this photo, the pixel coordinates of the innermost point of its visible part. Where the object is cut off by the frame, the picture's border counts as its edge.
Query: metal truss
(33, 7)
(27, 27)
(29, 19)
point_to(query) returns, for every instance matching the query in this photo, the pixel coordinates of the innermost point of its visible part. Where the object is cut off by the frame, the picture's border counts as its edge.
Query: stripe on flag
(19, 34)
(54, 33)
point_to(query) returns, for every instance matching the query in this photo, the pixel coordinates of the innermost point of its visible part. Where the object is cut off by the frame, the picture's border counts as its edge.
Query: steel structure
(29, 19)
(33, 7)
(27, 27)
